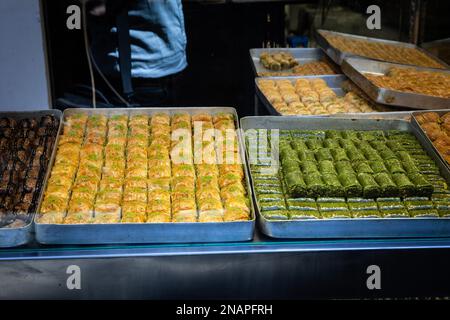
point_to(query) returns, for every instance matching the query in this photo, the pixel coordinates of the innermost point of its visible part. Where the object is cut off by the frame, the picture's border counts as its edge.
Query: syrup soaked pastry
(437, 128)
(310, 97)
(349, 174)
(140, 168)
(25, 149)
(436, 84)
(382, 51)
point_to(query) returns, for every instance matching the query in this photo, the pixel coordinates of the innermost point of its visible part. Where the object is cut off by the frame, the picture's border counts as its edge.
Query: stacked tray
(132, 202)
(389, 51)
(26, 145)
(356, 68)
(301, 55)
(399, 197)
(334, 82)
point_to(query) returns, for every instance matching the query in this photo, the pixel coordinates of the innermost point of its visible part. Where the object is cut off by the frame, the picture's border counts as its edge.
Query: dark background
(219, 37)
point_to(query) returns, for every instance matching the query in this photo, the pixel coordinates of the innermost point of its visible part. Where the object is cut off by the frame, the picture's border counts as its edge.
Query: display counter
(262, 268)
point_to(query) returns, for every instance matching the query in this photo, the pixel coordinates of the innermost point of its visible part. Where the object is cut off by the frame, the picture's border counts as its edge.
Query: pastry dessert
(343, 174)
(310, 97)
(437, 129)
(25, 148)
(305, 69)
(435, 84)
(382, 51)
(277, 61)
(141, 169)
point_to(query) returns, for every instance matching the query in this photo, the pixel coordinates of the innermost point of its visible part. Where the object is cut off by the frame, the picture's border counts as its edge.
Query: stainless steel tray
(417, 126)
(350, 228)
(333, 81)
(392, 115)
(338, 56)
(355, 68)
(13, 237)
(302, 55)
(128, 233)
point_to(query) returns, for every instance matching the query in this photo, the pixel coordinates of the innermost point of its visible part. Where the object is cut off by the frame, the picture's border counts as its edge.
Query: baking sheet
(129, 233)
(356, 227)
(301, 55)
(417, 126)
(392, 115)
(338, 56)
(355, 68)
(13, 237)
(335, 82)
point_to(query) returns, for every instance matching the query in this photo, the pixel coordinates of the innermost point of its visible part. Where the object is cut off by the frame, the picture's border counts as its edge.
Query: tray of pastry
(339, 46)
(279, 62)
(26, 145)
(312, 96)
(400, 85)
(391, 115)
(147, 175)
(320, 177)
(435, 125)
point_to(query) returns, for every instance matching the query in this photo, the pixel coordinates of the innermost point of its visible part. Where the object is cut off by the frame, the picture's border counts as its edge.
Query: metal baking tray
(14, 237)
(392, 115)
(302, 55)
(417, 126)
(129, 233)
(349, 228)
(355, 68)
(335, 82)
(338, 56)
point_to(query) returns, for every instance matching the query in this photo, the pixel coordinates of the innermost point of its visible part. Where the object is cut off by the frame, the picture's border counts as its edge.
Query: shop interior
(337, 115)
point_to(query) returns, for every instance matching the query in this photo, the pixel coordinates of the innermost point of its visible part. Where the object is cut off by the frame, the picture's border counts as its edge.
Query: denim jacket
(157, 37)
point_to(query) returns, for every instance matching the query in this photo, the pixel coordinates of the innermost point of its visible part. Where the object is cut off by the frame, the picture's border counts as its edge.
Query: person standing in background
(157, 41)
